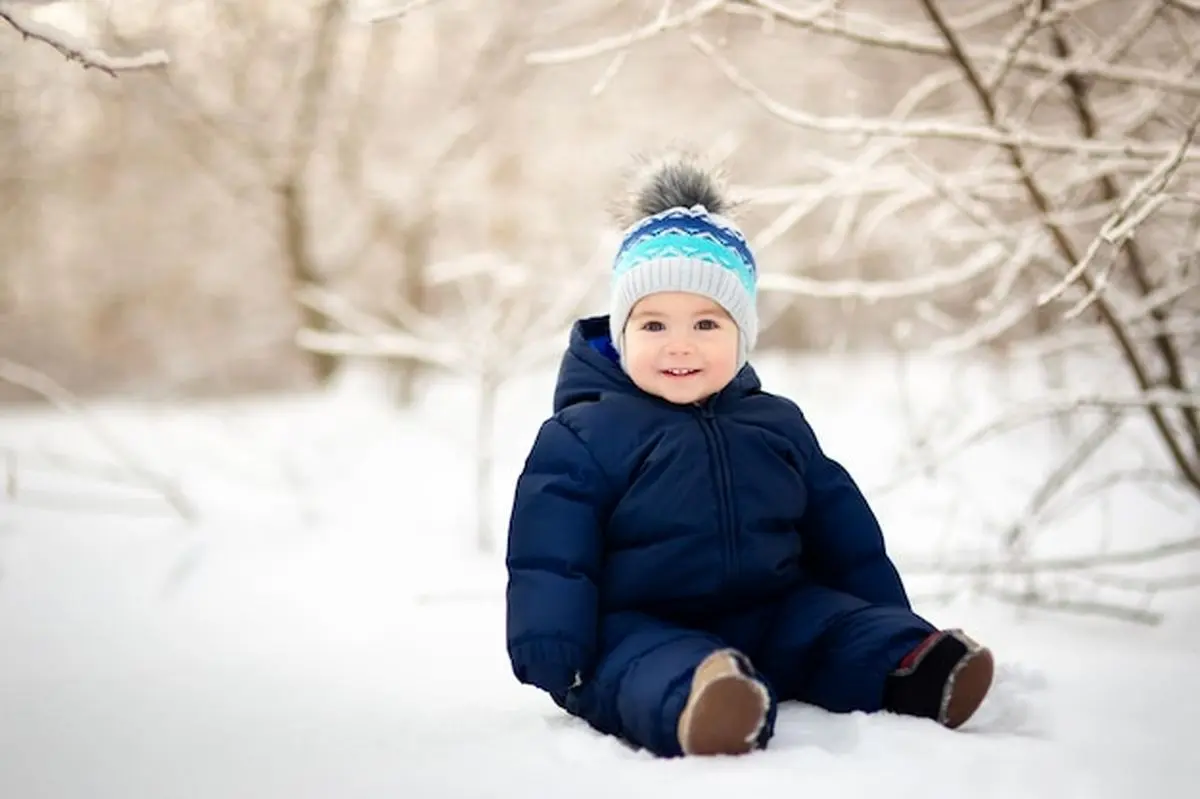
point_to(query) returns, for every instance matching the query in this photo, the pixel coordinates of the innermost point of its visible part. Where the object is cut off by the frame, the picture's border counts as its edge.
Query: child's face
(681, 347)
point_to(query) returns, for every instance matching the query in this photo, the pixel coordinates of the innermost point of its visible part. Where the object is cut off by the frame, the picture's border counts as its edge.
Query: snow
(325, 629)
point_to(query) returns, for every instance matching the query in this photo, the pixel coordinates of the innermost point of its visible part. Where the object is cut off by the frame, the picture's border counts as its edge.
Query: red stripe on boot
(914, 655)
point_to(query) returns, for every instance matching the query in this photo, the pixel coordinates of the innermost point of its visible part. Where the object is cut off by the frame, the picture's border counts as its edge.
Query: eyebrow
(712, 310)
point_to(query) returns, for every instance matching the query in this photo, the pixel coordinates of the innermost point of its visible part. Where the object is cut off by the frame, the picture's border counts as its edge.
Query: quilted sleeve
(555, 547)
(843, 541)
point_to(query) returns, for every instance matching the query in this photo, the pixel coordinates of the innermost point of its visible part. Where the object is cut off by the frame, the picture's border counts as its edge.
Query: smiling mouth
(680, 372)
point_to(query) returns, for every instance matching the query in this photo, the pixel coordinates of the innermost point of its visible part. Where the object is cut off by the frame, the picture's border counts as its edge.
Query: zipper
(720, 461)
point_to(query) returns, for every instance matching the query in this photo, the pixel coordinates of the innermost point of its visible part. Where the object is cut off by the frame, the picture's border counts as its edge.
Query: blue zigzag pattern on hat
(687, 233)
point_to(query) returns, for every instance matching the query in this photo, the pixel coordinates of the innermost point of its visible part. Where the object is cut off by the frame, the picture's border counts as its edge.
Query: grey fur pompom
(671, 182)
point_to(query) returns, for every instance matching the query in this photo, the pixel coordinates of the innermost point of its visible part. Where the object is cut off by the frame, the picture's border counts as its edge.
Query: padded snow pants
(815, 645)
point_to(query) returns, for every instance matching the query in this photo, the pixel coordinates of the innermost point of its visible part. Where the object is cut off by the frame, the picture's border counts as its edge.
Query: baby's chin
(683, 395)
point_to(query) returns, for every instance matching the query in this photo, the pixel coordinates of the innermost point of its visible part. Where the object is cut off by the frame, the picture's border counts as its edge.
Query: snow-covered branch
(1079, 563)
(1142, 200)
(50, 390)
(393, 13)
(1036, 598)
(988, 259)
(505, 323)
(1047, 406)
(76, 50)
(934, 128)
(364, 335)
(867, 29)
(391, 345)
(664, 22)
(1083, 338)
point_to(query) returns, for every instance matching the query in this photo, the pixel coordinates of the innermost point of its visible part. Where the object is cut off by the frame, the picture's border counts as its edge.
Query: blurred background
(169, 231)
(990, 202)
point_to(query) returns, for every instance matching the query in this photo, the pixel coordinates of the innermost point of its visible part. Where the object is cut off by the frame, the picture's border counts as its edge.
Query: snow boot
(726, 708)
(944, 678)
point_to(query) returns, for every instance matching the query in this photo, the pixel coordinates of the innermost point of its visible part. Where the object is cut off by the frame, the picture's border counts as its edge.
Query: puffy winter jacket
(629, 502)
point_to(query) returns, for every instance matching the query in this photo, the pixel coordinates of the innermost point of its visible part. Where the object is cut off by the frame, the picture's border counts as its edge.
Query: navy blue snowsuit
(645, 535)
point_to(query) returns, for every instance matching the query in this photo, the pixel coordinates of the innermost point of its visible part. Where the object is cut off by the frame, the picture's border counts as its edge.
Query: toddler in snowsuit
(682, 555)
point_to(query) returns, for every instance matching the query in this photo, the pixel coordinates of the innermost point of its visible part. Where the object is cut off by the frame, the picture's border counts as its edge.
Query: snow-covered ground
(324, 629)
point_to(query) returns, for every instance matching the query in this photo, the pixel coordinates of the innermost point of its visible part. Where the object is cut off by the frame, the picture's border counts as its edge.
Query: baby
(682, 555)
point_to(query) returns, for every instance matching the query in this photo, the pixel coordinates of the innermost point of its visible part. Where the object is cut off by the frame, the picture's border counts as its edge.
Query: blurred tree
(1045, 151)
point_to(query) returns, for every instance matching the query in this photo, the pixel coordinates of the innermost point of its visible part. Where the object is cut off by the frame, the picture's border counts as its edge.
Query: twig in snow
(1142, 585)
(47, 388)
(94, 504)
(1069, 466)
(1077, 563)
(1150, 477)
(1024, 414)
(1034, 599)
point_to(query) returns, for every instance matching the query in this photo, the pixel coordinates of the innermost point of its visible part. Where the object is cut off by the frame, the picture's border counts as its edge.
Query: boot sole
(968, 685)
(726, 717)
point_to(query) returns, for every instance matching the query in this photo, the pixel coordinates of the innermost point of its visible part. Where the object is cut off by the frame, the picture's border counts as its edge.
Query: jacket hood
(591, 368)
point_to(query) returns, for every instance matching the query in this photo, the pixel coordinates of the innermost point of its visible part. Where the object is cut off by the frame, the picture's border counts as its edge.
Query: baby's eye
(708, 324)
(652, 327)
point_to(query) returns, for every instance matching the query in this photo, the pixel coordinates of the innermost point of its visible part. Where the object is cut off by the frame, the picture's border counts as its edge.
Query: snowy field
(325, 630)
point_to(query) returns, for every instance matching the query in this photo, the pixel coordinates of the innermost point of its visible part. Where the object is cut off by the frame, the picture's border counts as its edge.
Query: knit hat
(680, 242)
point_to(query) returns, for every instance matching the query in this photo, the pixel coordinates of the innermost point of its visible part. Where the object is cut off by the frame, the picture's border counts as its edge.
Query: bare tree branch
(863, 29)
(392, 14)
(45, 387)
(935, 128)
(293, 187)
(1080, 563)
(1018, 37)
(663, 23)
(1062, 241)
(1035, 599)
(1024, 414)
(1149, 191)
(988, 259)
(1143, 585)
(1093, 337)
(1054, 483)
(1131, 211)
(364, 335)
(77, 51)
